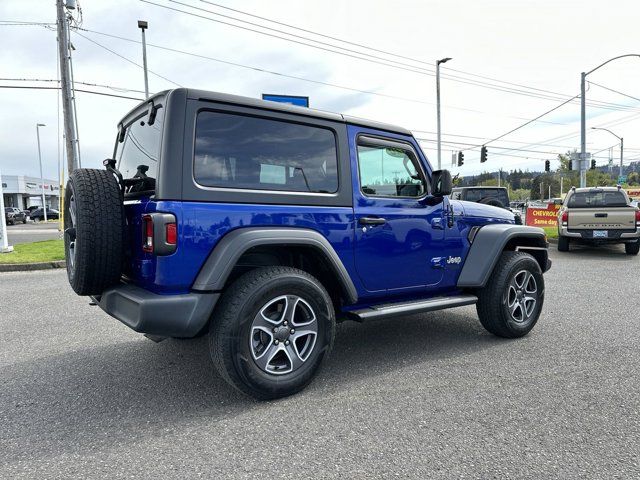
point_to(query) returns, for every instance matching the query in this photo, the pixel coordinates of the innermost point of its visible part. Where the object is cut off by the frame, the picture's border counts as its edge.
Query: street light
(583, 123)
(438, 62)
(621, 145)
(44, 202)
(143, 25)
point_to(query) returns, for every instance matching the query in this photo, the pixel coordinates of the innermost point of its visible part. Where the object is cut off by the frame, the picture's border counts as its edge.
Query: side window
(389, 172)
(237, 151)
(141, 146)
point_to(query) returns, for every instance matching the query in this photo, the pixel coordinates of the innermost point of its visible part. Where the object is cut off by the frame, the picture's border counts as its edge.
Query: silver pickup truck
(597, 216)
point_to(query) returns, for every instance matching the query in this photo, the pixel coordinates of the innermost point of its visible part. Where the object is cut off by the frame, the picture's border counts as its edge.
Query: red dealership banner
(543, 217)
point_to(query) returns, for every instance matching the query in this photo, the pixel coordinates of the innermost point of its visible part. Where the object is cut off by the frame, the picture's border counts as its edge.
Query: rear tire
(93, 231)
(563, 244)
(271, 332)
(632, 248)
(510, 304)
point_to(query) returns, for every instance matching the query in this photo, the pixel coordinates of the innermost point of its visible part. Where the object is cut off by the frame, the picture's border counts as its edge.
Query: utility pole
(438, 62)
(561, 185)
(621, 156)
(44, 202)
(4, 242)
(583, 131)
(583, 122)
(68, 112)
(143, 25)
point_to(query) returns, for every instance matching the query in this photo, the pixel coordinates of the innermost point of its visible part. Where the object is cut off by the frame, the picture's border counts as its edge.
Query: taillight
(565, 218)
(147, 233)
(637, 218)
(171, 233)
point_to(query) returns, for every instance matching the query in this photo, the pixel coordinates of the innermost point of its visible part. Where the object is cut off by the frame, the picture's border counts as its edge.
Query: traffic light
(570, 166)
(593, 164)
(460, 159)
(483, 154)
(547, 166)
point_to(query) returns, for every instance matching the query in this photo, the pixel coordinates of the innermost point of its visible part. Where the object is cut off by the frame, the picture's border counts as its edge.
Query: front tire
(271, 332)
(632, 248)
(510, 304)
(563, 244)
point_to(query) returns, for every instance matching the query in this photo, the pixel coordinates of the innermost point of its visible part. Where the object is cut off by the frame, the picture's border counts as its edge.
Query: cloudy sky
(512, 61)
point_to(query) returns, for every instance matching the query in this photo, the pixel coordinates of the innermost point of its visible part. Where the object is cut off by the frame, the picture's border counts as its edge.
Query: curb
(28, 267)
(552, 240)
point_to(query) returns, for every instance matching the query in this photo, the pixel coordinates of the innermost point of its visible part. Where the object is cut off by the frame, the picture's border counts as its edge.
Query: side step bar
(396, 309)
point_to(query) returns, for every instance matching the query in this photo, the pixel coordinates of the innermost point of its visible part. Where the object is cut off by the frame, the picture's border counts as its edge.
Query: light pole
(44, 203)
(438, 62)
(583, 123)
(621, 145)
(143, 25)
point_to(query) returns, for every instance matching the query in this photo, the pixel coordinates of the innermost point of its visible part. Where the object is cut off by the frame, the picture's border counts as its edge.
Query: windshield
(597, 198)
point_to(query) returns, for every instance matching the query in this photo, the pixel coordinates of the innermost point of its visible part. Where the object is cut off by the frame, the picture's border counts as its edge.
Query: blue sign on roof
(290, 99)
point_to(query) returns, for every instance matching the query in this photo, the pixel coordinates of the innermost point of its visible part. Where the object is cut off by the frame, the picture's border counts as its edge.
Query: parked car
(597, 216)
(296, 231)
(494, 196)
(38, 214)
(13, 215)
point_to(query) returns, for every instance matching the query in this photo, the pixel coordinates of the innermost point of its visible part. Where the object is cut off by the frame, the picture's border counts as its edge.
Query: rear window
(237, 151)
(597, 199)
(140, 148)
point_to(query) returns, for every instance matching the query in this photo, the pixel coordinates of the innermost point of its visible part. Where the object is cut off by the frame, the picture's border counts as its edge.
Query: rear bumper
(164, 315)
(586, 235)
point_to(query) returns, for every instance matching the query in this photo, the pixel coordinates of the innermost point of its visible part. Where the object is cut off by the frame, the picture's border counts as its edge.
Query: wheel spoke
(529, 305)
(294, 358)
(531, 286)
(265, 360)
(303, 314)
(263, 319)
(303, 342)
(289, 311)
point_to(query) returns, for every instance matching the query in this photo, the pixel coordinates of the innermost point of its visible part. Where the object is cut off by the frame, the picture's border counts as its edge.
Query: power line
(52, 80)
(126, 59)
(485, 138)
(614, 91)
(294, 77)
(385, 52)
(31, 87)
(370, 58)
(524, 124)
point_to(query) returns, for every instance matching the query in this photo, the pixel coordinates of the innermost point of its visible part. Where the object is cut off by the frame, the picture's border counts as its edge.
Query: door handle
(371, 221)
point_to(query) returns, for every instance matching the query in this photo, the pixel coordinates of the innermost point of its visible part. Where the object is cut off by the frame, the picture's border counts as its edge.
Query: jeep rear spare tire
(93, 231)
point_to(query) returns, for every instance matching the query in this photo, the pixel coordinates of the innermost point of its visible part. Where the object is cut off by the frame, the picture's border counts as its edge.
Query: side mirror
(441, 183)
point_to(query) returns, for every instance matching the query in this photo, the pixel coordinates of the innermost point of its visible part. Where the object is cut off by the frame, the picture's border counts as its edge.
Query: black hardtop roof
(280, 107)
(479, 187)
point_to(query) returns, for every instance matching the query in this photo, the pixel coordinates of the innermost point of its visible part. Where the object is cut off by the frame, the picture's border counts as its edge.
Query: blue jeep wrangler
(264, 224)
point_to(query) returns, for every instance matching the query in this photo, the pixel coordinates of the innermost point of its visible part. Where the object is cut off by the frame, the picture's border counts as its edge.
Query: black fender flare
(229, 249)
(488, 243)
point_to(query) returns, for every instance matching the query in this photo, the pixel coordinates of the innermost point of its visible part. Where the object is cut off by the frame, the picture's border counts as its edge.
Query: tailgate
(622, 218)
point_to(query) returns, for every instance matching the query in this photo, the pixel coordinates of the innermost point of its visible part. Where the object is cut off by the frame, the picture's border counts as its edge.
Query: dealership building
(23, 192)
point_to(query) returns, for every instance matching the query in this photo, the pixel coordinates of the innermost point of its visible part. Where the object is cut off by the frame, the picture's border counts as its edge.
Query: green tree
(633, 179)
(545, 180)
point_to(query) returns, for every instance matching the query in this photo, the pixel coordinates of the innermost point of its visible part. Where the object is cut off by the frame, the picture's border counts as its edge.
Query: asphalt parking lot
(427, 396)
